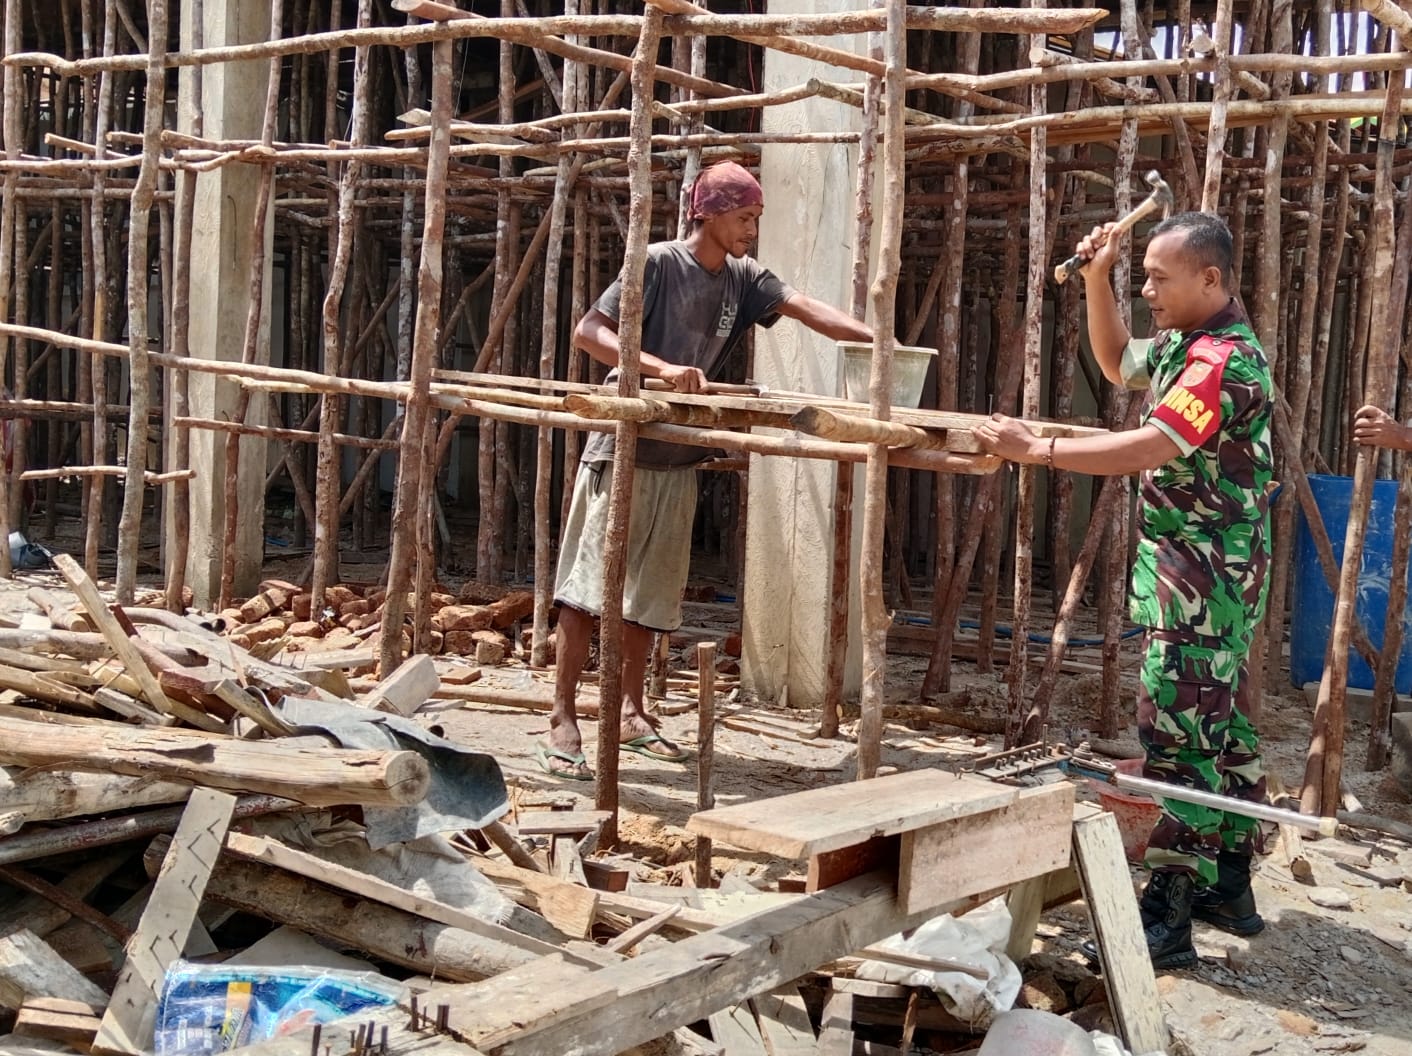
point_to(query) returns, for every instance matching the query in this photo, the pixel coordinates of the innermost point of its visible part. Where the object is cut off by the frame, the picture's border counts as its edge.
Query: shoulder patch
(1191, 407)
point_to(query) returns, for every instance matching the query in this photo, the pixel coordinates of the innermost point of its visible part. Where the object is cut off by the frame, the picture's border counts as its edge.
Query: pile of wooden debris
(162, 803)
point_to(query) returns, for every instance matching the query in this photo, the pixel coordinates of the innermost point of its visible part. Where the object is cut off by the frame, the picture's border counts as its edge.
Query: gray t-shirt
(692, 317)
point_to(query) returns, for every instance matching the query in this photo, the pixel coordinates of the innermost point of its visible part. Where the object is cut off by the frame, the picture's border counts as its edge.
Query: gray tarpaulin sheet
(467, 788)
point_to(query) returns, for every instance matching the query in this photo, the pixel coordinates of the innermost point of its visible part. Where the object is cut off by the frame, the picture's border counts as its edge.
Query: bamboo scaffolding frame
(986, 158)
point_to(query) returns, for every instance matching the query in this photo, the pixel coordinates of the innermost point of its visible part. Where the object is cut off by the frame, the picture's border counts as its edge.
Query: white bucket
(909, 371)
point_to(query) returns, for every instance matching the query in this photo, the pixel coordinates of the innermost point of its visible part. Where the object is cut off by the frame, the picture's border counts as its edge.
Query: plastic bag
(976, 941)
(210, 1008)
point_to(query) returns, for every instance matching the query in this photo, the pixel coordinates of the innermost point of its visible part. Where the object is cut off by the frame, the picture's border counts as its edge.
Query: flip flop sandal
(543, 753)
(640, 745)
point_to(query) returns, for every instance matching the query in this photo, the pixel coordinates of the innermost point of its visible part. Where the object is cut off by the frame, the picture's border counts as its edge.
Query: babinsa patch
(1192, 406)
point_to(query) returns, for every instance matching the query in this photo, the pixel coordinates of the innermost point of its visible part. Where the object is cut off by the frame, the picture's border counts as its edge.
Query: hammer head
(1161, 193)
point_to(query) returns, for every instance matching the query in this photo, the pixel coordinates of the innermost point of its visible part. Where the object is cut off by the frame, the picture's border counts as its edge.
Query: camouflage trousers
(1193, 722)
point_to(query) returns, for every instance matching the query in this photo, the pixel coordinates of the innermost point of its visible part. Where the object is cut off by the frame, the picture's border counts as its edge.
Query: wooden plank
(1117, 928)
(735, 1029)
(836, 1025)
(406, 689)
(293, 860)
(128, 1023)
(635, 934)
(567, 864)
(72, 1022)
(1026, 838)
(1025, 903)
(784, 1022)
(107, 623)
(606, 876)
(803, 824)
(560, 822)
(688, 980)
(30, 968)
(568, 907)
(834, 867)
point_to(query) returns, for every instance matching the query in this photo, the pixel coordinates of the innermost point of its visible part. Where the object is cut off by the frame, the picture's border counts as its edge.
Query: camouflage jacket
(1203, 518)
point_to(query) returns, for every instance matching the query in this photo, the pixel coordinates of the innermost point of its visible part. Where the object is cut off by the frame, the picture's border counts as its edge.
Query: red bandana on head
(723, 187)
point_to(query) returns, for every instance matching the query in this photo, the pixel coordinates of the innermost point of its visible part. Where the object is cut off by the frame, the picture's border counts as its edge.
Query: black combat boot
(1165, 908)
(1229, 903)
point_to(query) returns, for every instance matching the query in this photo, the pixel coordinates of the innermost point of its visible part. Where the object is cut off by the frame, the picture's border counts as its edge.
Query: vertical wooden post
(1300, 368)
(549, 351)
(1268, 290)
(1034, 337)
(948, 368)
(140, 380)
(1384, 691)
(411, 543)
(326, 488)
(1380, 374)
(97, 233)
(11, 270)
(705, 751)
(610, 697)
(1216, 134)
(179, 451)
(875, 617)
(837, 657)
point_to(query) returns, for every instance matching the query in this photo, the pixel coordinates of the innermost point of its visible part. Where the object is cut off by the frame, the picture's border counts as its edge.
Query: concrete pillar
(232, 101)
(806, 236)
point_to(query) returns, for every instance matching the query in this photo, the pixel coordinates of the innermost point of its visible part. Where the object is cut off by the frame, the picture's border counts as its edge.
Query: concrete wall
(806, 236)
(233, 97)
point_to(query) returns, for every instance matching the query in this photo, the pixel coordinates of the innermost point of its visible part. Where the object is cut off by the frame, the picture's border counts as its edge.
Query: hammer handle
(1067, 270)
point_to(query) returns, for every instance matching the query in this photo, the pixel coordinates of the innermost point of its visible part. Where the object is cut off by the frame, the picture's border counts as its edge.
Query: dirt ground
(1318, 980)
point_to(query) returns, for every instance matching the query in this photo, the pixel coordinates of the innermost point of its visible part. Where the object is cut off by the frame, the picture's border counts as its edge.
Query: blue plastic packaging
(210, 1008)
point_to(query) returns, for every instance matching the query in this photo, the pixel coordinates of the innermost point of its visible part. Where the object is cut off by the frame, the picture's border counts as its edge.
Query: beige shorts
(659, 544)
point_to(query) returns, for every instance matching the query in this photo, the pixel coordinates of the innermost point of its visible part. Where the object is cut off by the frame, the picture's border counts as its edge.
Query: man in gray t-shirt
(700, 296)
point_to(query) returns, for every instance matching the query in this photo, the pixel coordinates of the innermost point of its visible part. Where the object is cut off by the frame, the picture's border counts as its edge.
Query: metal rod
(1243, 807)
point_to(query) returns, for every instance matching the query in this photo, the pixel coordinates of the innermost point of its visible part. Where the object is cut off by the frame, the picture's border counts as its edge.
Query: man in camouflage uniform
(1198, 586)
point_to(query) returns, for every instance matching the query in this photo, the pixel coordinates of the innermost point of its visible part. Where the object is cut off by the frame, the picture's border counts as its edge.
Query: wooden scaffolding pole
(1382, 362)
(875, 617)
(1216, 135)
(410, 544)
(610, 695)
(12, 133)
(326, 488)
(1029, 408)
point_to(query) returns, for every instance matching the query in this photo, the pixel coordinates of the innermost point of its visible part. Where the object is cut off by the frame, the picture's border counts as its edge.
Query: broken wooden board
(560, 822)
(568, 907)
(836, 1025)
(302, 863)
(736, 1030)
(784, 1022)
(1127, 967)
(406, 689)
(74, 1023)
(128, 1023)
(803, 824)
(30, 968)
(107, 623)
(1027, 838)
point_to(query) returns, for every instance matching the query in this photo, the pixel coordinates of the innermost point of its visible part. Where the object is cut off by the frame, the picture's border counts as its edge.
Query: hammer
(1160, 198)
